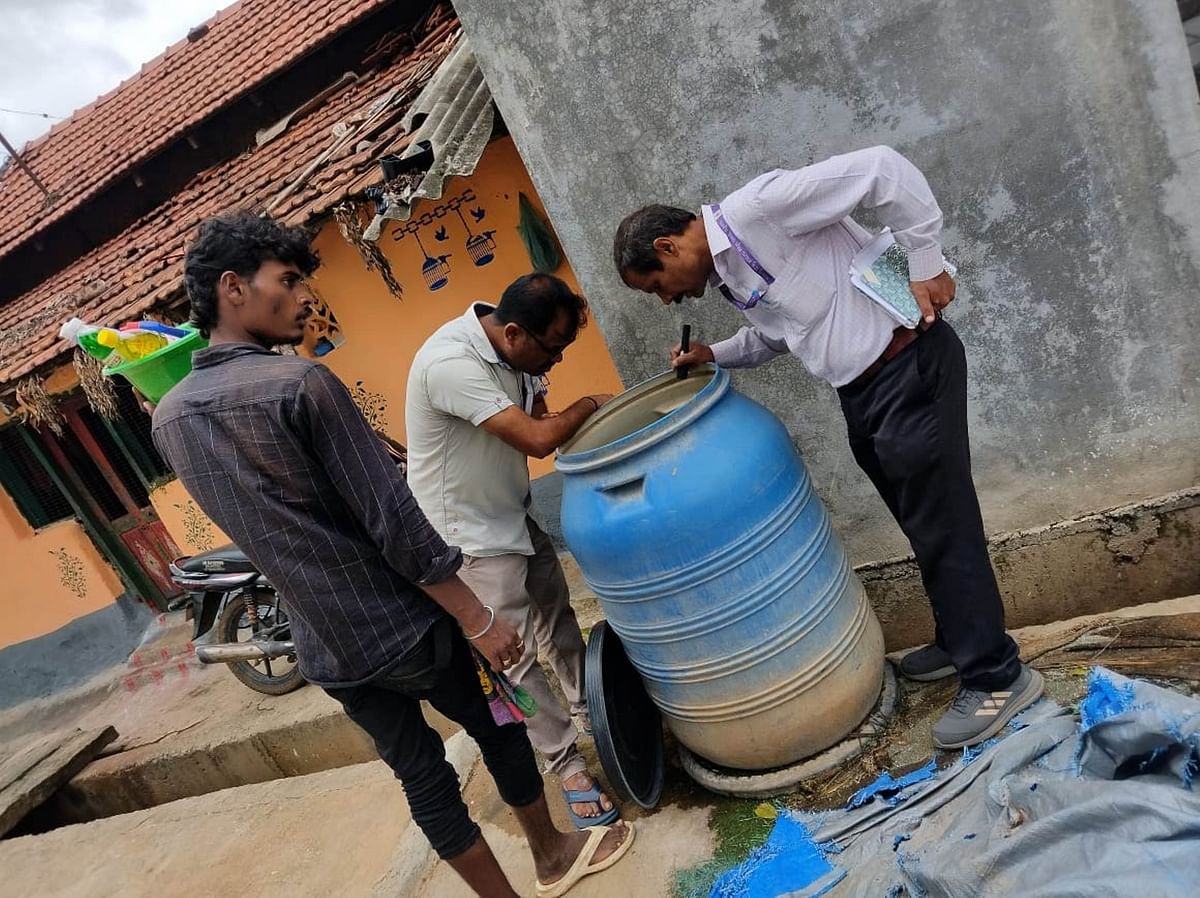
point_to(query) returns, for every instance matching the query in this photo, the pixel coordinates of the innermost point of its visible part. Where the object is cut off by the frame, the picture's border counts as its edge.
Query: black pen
(684, 344)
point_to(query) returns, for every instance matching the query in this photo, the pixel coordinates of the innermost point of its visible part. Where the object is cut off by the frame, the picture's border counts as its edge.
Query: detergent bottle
(131, 345)
(85, 336)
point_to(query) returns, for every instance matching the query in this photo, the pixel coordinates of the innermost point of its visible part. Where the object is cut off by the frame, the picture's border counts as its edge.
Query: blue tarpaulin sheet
(889, 790)
(1071, 807)
(788, 863)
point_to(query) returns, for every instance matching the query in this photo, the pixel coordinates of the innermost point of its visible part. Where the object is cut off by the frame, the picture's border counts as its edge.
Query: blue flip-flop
(585, 796)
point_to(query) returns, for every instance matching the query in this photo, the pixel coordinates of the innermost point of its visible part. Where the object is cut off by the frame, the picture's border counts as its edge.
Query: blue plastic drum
(694, 520)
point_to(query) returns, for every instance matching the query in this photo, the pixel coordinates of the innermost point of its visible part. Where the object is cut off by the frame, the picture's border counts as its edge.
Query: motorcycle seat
(224, 560)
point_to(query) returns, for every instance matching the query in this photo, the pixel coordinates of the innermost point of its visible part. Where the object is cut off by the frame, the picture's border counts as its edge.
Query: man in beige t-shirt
(475, 412)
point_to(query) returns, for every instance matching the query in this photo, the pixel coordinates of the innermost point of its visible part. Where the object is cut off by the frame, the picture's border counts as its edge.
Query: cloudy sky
(59, 55)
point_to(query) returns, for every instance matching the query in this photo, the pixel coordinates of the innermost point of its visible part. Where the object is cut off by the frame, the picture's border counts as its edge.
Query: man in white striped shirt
(779, 249)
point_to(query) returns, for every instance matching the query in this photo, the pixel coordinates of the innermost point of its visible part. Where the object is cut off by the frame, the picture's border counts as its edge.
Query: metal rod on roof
(29, 171)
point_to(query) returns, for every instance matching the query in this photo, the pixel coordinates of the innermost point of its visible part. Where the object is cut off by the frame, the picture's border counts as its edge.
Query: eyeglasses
(549, 350)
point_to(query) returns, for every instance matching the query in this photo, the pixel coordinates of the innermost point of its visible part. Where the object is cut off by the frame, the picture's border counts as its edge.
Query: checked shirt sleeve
(369, 481)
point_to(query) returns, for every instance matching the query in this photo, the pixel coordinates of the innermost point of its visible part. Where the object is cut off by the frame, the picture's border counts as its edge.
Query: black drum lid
(626, 724)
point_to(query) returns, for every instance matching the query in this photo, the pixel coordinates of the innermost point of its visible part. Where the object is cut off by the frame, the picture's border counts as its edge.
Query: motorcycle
(241, 610)
(234, 602)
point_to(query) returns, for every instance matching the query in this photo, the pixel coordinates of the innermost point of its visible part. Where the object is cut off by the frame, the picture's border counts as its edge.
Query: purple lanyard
(747, 257)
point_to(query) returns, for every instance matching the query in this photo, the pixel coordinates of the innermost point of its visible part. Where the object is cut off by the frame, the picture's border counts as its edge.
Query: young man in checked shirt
(779, 249)
(274, 450)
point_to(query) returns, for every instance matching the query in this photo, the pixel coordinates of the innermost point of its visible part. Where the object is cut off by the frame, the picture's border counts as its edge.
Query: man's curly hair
(239, 242)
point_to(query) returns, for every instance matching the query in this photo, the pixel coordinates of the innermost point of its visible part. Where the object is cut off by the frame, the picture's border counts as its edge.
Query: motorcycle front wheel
(270, 676)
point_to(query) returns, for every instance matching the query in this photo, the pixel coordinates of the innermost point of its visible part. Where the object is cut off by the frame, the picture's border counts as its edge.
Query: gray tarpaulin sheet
(1099, 804)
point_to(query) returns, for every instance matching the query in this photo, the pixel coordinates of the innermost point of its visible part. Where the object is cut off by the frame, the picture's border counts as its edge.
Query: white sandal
(583, 865)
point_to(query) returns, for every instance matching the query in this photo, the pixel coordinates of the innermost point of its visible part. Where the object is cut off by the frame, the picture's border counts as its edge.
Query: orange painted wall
(190, 528)
(384, 333)
(51, 576)
(55, 575)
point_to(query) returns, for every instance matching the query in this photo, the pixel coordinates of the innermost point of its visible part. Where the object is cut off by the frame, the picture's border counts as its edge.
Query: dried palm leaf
(36, 407)
(350, 224)
(99, 390)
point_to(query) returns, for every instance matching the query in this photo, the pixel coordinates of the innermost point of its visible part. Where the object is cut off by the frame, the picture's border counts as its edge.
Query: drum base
(767, 783)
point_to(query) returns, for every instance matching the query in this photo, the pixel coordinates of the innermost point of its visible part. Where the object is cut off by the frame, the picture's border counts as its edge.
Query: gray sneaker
(976, 716)
(926, 664)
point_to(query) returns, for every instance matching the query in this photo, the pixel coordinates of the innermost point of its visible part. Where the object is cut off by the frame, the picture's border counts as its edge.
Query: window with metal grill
(94, 482)
(34, 492)
(119, 456)
(126, 446)
(133, 429)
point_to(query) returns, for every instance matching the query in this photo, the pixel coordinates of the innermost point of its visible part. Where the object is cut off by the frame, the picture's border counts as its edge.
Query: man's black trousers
(440, 669)
(908, 431)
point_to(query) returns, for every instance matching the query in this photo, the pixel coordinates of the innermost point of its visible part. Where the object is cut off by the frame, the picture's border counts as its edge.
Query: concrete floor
(346, 831)
(327, 834)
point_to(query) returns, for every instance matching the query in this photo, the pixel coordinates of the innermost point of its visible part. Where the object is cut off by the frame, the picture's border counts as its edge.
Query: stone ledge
(1128, 555)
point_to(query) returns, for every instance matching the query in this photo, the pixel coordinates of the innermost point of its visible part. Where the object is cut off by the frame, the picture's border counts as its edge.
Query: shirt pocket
(805, 293)
(740, 279)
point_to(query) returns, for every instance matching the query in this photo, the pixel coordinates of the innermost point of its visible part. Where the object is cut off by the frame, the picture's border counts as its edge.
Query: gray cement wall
(1062, 140)
(72, 653)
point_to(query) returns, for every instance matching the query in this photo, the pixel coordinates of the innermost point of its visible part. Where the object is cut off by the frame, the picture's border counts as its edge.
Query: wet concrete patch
(92, 642)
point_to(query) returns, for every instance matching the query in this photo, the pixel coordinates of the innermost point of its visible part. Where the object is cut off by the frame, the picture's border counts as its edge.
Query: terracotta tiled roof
(245, 44)
(142, 267)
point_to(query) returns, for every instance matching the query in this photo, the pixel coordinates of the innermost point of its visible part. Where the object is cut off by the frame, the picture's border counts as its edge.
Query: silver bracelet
(491, 620)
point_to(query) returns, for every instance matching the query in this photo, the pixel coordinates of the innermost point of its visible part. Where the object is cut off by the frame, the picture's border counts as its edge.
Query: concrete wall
(1062, 140)
(1137, 553)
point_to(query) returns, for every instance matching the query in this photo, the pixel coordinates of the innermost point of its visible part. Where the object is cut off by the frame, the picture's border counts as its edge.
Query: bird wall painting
(480, 245)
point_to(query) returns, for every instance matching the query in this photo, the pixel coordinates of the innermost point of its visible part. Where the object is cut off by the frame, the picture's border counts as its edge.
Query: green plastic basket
(154, 375)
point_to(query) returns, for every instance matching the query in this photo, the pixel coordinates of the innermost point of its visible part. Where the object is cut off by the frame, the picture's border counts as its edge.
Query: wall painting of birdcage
(480, 247)
(435, 269)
